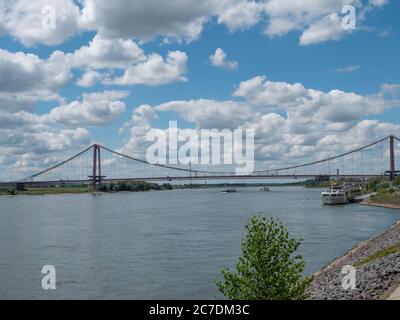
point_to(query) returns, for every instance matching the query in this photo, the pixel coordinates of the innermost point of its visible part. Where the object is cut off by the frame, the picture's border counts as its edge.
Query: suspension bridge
(97, 165)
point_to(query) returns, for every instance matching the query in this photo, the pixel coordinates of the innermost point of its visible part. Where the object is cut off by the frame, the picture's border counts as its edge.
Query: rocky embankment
(377, 262)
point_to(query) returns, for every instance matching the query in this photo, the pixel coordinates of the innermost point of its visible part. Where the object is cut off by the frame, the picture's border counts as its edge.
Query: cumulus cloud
(94, 109)
(218, 59)
(180, 20)
(317, 20)
(2, 18)
(102, 57)
(259, 91)
(23, 20)
(333, 106)
(146, 19)
(155, 70)
(28, 143)
(89, 78)
(328, 28)
(26, 79)
(239, 15)
(139, 126)
(209, 114)
(103, 53)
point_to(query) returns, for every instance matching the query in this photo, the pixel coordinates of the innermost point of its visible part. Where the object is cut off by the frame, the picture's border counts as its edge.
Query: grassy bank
(44, 191)
(387, 194)
(379, 255)
(392, 198)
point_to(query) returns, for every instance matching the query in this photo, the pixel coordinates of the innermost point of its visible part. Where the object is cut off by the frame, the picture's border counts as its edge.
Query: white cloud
(348, 69)
(102, 57)
(333, 106)
(218, 59)
(139, 126)
(28, 143)
(2, 18)
(94, 109)
(26, 79)
(209, 114)
(103, 53)
(379, 3)
(20, 71)
(328, 28)
(23, 20)
(144, 20)
(89, 79)
(143, 115)
(155, 70)
(317, 20)
(238, 15)
(259, 91)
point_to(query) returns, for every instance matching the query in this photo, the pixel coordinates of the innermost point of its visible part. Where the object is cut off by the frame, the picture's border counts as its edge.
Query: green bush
(167, 186)
(268, 268)
(384, 185)
(374, 183)
(133, 186)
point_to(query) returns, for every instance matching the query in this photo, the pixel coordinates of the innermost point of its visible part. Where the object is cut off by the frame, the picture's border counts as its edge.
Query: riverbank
(377, 263)
(390, 200)
(138, 186)
(381, 205)
(45, 191)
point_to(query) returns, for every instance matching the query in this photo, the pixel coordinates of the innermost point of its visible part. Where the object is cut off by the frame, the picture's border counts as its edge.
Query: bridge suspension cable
(81, 166)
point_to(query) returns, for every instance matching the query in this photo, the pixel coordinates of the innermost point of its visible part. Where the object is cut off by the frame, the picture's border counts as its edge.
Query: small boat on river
(229, 191)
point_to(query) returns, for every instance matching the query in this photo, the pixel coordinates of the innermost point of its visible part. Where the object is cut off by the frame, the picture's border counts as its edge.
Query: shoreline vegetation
(134, 186)
(386, 194)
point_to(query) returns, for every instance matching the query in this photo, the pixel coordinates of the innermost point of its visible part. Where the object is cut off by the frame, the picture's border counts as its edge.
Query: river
(160, 245)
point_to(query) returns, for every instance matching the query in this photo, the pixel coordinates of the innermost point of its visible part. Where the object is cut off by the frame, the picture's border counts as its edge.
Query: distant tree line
(133, 186)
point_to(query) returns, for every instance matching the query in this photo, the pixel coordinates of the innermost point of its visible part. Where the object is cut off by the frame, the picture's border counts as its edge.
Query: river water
(160, 245)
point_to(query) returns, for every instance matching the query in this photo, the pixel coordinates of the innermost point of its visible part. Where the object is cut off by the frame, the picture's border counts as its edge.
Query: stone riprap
(374, 280)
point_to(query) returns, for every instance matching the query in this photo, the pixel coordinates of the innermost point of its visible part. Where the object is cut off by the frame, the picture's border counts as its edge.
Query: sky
(109, 72)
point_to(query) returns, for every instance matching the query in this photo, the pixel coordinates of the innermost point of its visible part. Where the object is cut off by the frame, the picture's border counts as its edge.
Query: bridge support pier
(392, 159)
(96, 175)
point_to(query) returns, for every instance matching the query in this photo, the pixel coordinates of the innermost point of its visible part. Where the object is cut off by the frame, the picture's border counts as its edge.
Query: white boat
(229, 191)
(335, 195)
